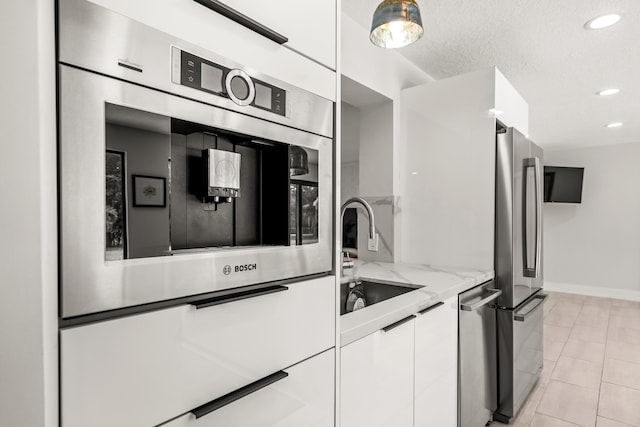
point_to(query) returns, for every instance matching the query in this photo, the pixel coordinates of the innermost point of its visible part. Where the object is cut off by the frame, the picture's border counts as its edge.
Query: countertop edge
(354, 326)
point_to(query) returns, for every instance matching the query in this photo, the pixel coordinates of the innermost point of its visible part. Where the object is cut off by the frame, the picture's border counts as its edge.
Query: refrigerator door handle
(495, 293)
(521, 317)
(537, 176)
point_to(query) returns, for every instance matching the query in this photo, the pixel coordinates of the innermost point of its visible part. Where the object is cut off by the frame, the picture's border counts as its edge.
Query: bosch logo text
(239, 268)
(245, 267)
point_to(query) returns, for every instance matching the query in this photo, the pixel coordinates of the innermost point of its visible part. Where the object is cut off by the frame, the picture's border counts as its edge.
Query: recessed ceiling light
(614, 125)
(603, 21)
(607, 92)
(495, 112)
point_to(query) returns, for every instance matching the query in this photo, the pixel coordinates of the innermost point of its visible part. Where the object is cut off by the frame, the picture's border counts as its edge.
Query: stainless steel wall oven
(181, 172)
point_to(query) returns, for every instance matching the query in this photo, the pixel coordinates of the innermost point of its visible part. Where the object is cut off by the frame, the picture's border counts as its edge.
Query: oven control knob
(239, 87)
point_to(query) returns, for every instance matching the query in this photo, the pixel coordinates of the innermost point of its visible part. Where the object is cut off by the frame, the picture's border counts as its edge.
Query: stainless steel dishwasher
(477, 363)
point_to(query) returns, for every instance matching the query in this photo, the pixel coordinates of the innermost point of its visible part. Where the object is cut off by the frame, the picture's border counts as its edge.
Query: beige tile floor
(591, 374)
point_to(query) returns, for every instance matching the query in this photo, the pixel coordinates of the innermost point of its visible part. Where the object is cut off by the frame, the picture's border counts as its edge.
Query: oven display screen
(211, 78)
(263, 96)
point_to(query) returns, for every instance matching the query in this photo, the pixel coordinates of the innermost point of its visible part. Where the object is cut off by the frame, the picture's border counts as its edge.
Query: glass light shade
(396, 23)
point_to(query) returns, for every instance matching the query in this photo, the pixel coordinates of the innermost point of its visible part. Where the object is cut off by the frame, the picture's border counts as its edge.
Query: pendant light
(396, 23)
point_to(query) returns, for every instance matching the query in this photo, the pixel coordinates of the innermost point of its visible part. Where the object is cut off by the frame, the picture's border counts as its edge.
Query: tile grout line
(606, 343)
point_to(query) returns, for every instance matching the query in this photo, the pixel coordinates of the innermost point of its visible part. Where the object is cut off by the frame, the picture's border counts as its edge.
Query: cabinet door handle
(398, 323)
(244, 20)
(431, 307)
(236, 296)
(218, 403)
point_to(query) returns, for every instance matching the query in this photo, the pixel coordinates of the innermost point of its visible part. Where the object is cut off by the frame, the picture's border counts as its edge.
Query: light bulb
(603, 21)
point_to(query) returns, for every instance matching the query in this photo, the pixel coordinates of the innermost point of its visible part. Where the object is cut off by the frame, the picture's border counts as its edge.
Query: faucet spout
(367, 207)
(373, 241)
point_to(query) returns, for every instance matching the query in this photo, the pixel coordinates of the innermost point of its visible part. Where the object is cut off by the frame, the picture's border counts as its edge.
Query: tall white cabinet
(447, 178)
(269, 360)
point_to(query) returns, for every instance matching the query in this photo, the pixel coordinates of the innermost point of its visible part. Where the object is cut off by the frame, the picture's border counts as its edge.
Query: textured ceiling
(545, 52)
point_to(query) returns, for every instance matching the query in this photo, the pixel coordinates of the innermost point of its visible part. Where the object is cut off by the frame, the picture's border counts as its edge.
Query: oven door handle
(237, 296)
(244, 20)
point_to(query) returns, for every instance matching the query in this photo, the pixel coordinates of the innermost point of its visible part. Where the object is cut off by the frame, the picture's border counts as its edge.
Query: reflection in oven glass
(309, 202)
(166, 194)
(293, 214)
(303, 222)
(115, 206)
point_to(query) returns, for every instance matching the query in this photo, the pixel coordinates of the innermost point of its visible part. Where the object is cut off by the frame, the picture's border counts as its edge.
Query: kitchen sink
(374, 292)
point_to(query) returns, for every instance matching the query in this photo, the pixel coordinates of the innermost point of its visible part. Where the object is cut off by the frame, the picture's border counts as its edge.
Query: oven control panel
(199, 73)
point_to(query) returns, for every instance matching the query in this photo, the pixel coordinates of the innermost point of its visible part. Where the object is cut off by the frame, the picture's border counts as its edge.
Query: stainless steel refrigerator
(518, 265)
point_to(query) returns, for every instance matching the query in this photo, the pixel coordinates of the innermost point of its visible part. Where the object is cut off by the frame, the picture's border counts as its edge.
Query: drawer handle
(431, 307)
(223, 299)
(244, 20)
(398, 323)
(218, 403)
(521, 317)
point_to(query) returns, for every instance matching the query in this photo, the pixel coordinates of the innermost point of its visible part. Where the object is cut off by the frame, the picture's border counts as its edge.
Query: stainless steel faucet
(373, 237)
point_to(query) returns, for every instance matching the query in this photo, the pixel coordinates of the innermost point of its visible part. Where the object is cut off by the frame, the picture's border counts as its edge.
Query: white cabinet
(405, 376)
(304, 398)
(146, 369)
(436, 366)
(310, 26)
(447, 167)
(377, 379)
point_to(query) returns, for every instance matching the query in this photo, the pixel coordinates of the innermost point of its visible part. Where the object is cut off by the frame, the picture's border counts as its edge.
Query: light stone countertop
(439, 283)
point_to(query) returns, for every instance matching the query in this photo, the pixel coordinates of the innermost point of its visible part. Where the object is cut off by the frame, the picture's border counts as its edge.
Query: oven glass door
(163, 197)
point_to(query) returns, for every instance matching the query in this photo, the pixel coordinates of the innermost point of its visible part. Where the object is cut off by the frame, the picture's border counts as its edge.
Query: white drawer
(146, 369)
(302, 399)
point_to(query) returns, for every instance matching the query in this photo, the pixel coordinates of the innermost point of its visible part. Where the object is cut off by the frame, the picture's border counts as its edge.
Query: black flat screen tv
(563, 184)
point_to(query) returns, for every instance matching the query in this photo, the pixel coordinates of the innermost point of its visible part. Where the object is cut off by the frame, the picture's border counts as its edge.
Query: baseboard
(594, 291)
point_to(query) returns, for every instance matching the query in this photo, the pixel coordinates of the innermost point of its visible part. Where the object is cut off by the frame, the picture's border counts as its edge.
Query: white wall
(594, 247)
(28, 260)
(376, 150)
(382, 70)
(350, 146)
(387, 73)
